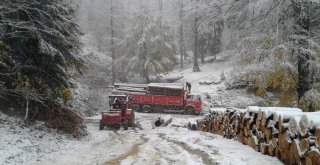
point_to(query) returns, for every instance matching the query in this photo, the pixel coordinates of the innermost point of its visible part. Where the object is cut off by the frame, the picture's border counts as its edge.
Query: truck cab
(119, 113)
(118, 101)
(193, 103)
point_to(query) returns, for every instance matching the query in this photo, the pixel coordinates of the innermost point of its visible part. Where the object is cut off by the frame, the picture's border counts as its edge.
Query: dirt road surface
(174, 144)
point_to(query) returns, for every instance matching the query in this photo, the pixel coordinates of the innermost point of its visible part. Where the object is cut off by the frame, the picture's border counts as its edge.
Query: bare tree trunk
(202, 48)
(303, 23)
(27, 110)
(112, 45)
(195, 57)
(181, 36)
(140, 5)
(145, 69)
(160, 5)
(161, 8)
(146, 75)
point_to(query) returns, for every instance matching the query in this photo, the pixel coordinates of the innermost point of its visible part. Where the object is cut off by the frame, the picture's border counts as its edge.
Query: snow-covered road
(173, 144)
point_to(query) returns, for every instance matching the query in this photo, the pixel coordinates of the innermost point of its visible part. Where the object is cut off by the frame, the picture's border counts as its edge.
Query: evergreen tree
(39, 44)
(146, 50)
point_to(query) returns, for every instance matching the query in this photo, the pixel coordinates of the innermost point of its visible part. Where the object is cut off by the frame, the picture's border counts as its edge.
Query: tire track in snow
(204, 156)
(132, 152)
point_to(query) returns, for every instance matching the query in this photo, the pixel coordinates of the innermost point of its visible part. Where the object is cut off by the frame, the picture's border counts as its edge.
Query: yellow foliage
(261, 91)
(67, 94)
(288, 98)
(282, 80)
(279, 54)
(267, 41)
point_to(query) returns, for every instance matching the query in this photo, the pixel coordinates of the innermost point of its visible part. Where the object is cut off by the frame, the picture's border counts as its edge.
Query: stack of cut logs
(288, 133)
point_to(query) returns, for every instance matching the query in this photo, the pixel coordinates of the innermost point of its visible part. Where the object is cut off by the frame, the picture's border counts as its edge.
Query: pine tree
(41, 45)
(146, 50)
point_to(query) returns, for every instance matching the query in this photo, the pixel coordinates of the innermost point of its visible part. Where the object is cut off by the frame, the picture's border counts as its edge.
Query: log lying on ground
(288, 133)
(192, 126)
(162, 121)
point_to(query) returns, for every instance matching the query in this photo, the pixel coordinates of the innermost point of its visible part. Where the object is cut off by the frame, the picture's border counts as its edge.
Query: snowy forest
(58, 58)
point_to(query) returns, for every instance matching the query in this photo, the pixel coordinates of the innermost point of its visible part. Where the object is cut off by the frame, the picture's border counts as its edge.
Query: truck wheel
(136, 107)
(101, 126)
(117, 127)
(125, 125)
(147, 108)
(189, 111)
(157, 109)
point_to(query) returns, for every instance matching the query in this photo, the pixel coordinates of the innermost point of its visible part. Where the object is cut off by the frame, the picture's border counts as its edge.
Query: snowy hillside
(212, 85)
(91, 92)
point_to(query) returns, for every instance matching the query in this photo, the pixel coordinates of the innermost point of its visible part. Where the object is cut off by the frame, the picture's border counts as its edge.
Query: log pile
(288, 133)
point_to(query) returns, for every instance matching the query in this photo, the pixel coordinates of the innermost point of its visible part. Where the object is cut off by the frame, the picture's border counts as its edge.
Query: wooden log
(252, 141)
(295, 152)
(317, 137)
(313, 157)
(264, 148)
(260, 136)
(271, 149)
(200, 125)
(240, 137)
(293, 128)
(162, 121)
(284, 147)
(282, 124)
(258, 123)
(235, 121)
(246, 132)
(304, 147)
(308, 161)
(278, 153)
(274, 142)
(304, 126)
(264, 118)
(267, 134)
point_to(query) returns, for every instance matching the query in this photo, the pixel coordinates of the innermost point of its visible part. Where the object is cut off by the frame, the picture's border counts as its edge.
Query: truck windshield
(112, 98)
(194, 97)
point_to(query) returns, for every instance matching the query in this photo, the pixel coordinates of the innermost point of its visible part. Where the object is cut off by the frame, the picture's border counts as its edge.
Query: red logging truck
(164, 97)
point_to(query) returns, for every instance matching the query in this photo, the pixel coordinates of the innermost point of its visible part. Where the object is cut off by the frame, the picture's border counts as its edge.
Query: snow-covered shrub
(310, 101)
(267, 66)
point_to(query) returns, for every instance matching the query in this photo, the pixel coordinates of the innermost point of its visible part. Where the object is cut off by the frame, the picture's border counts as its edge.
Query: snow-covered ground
(174, 144)
(211, 85)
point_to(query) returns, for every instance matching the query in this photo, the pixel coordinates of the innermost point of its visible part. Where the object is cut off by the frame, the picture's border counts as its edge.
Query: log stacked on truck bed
(169, 89)
(288, 133)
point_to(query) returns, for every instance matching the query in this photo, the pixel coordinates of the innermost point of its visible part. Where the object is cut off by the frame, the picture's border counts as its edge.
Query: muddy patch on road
(134, 150)
(204, 156)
